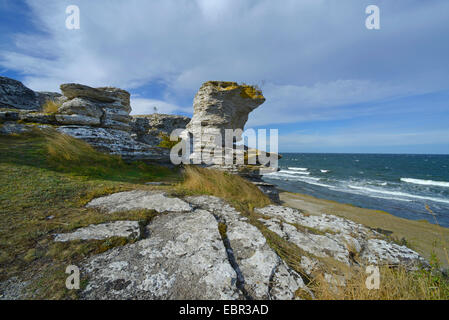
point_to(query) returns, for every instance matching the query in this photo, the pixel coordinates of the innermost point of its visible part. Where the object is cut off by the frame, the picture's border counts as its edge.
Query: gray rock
(9, 116)
(220, 105)
(262, 274)
(37, 117)
(65, 119)
(149, 128)
(381, 252)
(139, 199)
(177, 261)
(116, 97)
(81, 106)
(43, 97)
(126, 229)
(13, 289)
(113, 124)
(268, 189)
(115, 114)
(13, 94)
(334, 237)
(116, 142)
(13, 128)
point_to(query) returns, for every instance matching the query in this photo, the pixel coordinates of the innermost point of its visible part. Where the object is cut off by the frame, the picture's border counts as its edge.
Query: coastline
(420, 235)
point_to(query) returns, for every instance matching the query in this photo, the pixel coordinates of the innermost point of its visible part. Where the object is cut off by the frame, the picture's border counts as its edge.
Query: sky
(331, 84)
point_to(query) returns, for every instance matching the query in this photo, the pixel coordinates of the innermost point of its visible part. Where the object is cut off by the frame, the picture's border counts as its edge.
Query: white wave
(297, 169)
(426, 182)
(397, 193)
(324, 171)
(289, 174)
(295, 172)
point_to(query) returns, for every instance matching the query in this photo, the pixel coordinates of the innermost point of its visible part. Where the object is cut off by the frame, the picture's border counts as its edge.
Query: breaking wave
(426, 182)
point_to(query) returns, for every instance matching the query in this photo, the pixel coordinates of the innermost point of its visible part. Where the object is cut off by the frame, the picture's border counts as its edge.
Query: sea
(400, 184)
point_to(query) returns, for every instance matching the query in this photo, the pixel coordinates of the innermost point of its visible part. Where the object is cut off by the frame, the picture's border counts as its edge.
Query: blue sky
(331, 84)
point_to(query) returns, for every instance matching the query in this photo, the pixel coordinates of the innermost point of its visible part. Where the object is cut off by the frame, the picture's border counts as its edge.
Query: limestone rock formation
(179, 260)
(220, 105)
(329, 236)
(14, 95)
(100, 116)
(154, 128)
(200, 247)
(107, 107)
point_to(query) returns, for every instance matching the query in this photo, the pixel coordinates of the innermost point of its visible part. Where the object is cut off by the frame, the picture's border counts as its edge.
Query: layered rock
(106, 107)
(14, 95)
(154, 128)
(219, 106)
(100, 116)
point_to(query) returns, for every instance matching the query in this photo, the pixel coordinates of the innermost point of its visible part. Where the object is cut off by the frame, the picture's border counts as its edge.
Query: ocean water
(399, 184)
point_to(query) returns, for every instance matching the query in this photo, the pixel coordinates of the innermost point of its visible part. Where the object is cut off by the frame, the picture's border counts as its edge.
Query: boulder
(81, 106)
(13, 94)
(113, 96)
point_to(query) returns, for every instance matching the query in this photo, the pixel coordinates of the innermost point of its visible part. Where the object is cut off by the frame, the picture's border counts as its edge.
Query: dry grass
(395, 284)
(50, 107)
(62, 147)
(233, 188)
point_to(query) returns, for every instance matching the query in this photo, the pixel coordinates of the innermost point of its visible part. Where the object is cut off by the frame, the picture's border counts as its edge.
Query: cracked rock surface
(179, 260)
(127, 229)
(139, 199)
(201, 247)
(335, 237)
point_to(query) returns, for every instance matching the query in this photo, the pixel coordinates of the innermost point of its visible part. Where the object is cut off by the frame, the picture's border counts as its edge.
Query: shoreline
(420, 235)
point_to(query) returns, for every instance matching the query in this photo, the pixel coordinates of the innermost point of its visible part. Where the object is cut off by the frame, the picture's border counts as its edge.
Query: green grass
(41, 176)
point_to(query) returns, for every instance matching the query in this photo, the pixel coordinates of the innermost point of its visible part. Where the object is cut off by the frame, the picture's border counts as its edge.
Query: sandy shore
(420, 235)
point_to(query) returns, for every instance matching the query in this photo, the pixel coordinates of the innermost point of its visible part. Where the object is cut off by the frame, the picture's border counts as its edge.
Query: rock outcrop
(220, 105)
(100, 116)
(152, 129)
(225, 258)
(200, 247)
(14, 95)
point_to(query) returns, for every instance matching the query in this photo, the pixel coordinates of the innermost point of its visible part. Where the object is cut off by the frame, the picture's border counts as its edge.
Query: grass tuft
(240, 192)
(50, 106)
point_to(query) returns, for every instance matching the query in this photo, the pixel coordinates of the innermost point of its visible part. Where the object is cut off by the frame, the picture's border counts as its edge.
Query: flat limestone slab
(128, 229)
(139, 199)
(183, 258)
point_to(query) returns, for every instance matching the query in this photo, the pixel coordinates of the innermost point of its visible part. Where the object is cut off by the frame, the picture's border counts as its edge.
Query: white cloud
(362, 138)
(315, 56)
(146, 106)
(322, 101)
